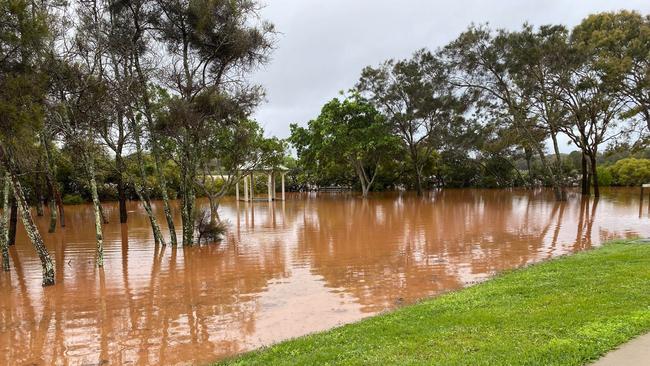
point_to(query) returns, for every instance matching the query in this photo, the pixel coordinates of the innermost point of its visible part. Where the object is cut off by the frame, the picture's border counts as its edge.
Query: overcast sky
(323, 45)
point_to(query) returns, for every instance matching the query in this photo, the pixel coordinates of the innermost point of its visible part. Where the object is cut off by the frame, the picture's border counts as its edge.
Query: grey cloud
(323, 45)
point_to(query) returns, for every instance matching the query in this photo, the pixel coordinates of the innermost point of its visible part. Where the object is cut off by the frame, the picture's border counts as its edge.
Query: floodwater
(285, 269)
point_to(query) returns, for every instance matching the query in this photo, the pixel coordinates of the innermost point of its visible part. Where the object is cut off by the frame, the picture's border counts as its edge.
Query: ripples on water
(285, 269)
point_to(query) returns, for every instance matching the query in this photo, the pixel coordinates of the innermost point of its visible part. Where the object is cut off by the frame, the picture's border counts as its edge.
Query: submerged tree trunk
(187, 215)
(594, 175)
(560, 190)
(28, 222)
(188, 198)
(157, 233)
(53, 187)
(52, 206)
(13, 221)
(101, 211)
(155, 151)
(141, 189)
(40, 211)
(99, 236)
(121, 188)
(585, 175)
(4, 222)
(162, 182)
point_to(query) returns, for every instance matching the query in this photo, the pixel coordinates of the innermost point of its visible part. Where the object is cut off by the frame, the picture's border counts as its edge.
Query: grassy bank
(567, 311)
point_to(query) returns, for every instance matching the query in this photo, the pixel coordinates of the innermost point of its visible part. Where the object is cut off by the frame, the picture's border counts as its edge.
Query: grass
(567, 311)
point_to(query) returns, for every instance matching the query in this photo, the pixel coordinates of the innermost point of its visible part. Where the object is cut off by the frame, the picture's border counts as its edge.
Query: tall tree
(23, 36)
(211, 46)
(487, 63)
(351, 133)
(418, 101)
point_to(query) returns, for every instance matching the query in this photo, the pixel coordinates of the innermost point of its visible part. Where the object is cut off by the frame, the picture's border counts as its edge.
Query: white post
(245, 188)
(269, 188)
(283, 187)
(237, 191)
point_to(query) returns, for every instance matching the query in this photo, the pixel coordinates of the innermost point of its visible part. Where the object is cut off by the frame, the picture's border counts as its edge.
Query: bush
(630, 172)
(73, 199)
(605, 178)
(208, 231)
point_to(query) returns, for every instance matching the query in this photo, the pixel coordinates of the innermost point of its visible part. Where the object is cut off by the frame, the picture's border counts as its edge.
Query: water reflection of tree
(383, 250)
(198, 302)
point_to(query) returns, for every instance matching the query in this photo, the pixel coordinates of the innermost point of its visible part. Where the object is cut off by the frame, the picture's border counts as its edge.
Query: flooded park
(283, 270)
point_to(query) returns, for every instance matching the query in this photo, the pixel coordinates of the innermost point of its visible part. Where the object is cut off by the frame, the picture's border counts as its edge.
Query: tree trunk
(53, 187)
(52, 206)
(585, 176)
(160, 174)
(162, 182)
(157, 233)
(28, 222)
(99, 236)
(141, 188)
(594, 175)
(560, 194)
(40, 211)
(121, 189)
(13, 221)
(187, 215)
(4, 237)
(187, 201)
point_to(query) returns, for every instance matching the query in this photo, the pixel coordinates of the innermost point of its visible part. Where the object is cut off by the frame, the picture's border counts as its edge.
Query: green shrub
(605, 178)
(630, 172)
(73, 199)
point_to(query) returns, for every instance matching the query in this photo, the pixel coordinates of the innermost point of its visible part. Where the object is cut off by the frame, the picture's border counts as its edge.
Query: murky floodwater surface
(285, 269)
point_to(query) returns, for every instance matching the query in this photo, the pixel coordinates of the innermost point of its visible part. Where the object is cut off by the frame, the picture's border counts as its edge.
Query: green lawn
(567, 311)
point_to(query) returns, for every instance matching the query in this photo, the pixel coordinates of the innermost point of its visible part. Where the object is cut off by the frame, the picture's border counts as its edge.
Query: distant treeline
(484, 109)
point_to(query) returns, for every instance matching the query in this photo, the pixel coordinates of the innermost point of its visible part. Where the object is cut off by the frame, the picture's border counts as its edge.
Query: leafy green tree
(419, 104)
(506, 70)
(211, 46)
(620, 43)
(352, 134)
(630, 172)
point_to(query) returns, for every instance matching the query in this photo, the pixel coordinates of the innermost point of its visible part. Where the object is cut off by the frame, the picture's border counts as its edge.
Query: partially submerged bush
(73, 199)
(631, 172)
(209, 231)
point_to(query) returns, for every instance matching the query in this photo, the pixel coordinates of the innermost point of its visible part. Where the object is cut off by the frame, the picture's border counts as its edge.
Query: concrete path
(633, 353)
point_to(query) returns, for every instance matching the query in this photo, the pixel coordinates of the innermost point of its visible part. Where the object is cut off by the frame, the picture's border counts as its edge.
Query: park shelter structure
(248, 180)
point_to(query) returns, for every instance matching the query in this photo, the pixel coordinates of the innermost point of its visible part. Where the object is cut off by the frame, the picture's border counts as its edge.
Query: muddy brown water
(285, 269)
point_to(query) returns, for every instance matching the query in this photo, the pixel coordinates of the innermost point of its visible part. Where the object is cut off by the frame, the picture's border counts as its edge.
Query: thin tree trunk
(40, 211)
(157, 233)
(585, 176)
(162, 182)
(99, 236)
(141, 189)
(13, 221)
(562, 194)
(53, 187)
(52, 206)
(121, 189)
(594, 175)
(101, 212)
(187, 215)
(4, 237)
(28, 222)
(155, 151)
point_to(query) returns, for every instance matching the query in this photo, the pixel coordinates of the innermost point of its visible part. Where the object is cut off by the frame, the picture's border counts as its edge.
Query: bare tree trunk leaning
(28, 222)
